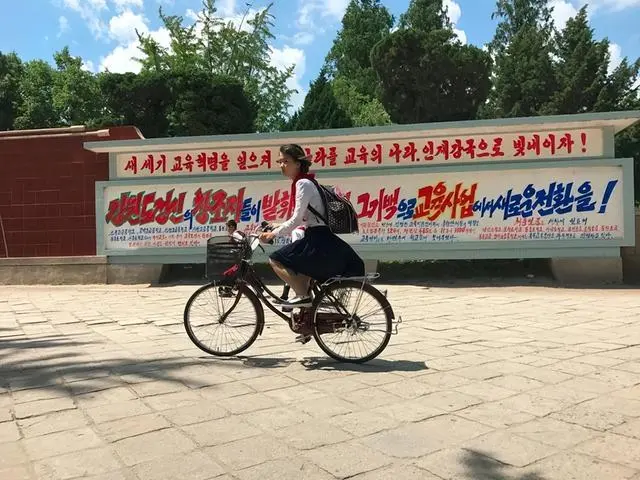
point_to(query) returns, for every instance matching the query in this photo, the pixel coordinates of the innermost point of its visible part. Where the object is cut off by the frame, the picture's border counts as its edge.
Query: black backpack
(342, 217)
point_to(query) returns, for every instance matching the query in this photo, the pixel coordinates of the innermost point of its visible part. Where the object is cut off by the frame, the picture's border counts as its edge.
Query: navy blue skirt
(320, 254)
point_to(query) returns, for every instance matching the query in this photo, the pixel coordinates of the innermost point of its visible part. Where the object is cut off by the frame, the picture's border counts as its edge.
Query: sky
(102, 32)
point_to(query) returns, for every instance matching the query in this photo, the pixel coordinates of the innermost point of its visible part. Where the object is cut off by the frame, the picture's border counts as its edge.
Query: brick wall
(47, 192)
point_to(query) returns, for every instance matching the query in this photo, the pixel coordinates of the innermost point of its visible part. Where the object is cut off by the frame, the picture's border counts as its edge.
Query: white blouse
(306, 194)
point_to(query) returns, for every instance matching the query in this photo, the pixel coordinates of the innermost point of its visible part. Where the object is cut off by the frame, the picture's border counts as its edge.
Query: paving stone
(325, 408)
(224, 430)
(459, 464)
(418, 439)
(573, 466)
(188, 466)
(105, 397)
(537, 374)
(495, 415)
(80, 464)
(12, 454)
(41, 407)
(62, 442)
(19, 472)
(5, 414)
(613, 448)
(348, 459)
(271, 382)
(195, 413)
(34, 394)
(630, 428)
(157, 387)
(285, 469)
(115, 430)
(534, 404)
(9, 432)
(116, 410)
(363, 423)
(509, 449)
(248, 403)
(276, 418)
(485, 392)
(226, 390)
(52, 423)
(397, 471)
(296, 394)
(173, 400)
(553, 432)
(251, 451)
(153, 445)
(409, 411)
(313, 434)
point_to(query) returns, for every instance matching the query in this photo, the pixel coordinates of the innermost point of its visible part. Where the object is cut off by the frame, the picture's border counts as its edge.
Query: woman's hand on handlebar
(267, 237)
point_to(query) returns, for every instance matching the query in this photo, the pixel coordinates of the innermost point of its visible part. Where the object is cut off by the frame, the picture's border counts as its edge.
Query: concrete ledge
(53, 270)
(587, 271)
(133, 274)
(22, 261)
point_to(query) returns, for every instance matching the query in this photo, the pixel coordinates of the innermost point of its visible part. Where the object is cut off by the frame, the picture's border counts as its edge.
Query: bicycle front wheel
(222, 320)
(352, 321)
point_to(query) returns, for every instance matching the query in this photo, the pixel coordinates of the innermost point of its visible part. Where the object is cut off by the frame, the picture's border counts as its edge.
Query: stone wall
(47, 190)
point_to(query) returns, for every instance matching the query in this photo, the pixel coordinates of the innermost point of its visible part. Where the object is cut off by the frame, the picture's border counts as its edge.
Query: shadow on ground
(374, 366)
(480, 466)
(63, 363)
(57, 362)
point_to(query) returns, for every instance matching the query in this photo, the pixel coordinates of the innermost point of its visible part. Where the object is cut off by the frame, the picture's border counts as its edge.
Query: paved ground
(481, 383)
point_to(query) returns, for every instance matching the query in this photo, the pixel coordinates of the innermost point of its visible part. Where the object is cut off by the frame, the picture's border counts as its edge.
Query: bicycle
(241, 285)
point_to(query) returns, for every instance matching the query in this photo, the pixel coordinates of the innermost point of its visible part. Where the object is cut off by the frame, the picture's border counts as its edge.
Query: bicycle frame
(249, 277)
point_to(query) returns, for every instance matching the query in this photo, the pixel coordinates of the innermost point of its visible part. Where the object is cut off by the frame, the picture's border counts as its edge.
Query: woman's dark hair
(298, 154)
(232, 223)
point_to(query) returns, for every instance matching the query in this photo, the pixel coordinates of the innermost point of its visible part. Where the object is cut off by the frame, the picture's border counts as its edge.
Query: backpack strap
(324, 202)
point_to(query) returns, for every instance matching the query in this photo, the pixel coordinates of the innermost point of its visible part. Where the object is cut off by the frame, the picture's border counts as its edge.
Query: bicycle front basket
(222, 254)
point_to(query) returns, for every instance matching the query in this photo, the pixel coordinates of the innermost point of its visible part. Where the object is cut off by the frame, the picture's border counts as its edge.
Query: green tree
(425, 16)
(364, 24)
(35, 108)
(348, 63)
(426, 74)
(142, 100)
(241, 52)
(346, 92)
(176, 103)
(320, 109)
(11, 70)
(524, 76)
(361, 109)
(205, 104)
(582, 66)
(75, 92)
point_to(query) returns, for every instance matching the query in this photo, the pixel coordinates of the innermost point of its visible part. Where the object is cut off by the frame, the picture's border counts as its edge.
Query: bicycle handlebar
(264, 227)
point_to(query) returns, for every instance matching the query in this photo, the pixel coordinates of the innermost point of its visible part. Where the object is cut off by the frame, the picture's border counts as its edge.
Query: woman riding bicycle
(320, 254)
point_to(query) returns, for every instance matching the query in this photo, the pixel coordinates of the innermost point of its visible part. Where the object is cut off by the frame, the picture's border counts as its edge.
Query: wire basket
(223, 254)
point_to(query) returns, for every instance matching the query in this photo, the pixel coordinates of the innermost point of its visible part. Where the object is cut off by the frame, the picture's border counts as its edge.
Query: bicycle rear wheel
(222, 320)
(352, 321)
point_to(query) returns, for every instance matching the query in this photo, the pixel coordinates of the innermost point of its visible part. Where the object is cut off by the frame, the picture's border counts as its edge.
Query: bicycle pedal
(303, 339)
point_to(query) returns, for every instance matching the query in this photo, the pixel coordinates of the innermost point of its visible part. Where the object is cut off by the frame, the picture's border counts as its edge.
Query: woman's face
(289, 167)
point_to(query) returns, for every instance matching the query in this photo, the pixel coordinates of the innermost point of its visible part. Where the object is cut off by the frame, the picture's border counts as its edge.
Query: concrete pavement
(501, 383)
